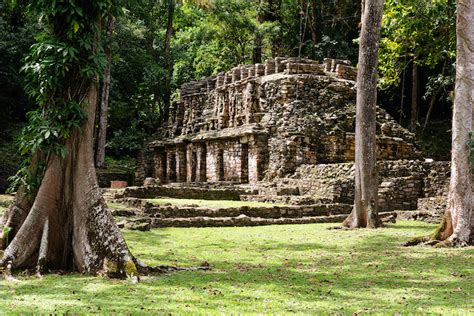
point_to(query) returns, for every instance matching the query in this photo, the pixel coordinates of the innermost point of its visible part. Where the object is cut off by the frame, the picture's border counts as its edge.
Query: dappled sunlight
(269, 269)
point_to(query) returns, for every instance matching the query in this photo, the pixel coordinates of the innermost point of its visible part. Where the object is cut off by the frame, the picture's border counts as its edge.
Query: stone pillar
(244, 73)
(257, 158)
(236, 74)
(201, 169)
(220, 81)
(259, 70)
(269, 67)
(279, 66)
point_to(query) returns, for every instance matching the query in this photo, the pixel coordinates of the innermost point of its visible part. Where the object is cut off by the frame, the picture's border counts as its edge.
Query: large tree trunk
(365, 212)
(68, 225)
(458, 225)
(414, 98)
(104, 104)
(168, 60)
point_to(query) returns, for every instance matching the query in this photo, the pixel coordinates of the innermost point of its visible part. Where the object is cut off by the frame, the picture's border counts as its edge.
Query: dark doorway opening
(220, 165)
(244, 164)
(193, 166)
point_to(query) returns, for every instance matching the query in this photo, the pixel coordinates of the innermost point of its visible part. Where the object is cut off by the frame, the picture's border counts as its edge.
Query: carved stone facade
(261, 122)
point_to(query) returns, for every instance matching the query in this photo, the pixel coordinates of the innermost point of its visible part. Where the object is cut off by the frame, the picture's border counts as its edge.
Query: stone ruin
(259, 122)
(281, 132)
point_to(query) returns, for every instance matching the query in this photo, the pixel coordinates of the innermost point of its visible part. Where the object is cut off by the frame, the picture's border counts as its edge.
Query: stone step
(186, 192)
(146, 223)
(286, 199)
(241, 220)
(263, 212)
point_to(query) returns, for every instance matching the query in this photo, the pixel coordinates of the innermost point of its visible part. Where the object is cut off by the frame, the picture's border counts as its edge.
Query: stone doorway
(172, 167)
(220, 165)
(203, 164)
(244, 164)
(193, 166)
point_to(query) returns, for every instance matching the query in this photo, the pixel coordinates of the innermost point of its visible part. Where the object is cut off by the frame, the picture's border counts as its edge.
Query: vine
(67, 58)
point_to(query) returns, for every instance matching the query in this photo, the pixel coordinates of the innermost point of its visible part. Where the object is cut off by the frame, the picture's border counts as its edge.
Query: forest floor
(268, 269)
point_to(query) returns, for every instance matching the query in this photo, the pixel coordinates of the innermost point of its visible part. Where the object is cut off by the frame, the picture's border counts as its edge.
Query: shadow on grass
(303, 269)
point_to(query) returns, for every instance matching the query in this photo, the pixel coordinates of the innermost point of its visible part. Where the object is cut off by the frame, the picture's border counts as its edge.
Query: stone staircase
(144, 215)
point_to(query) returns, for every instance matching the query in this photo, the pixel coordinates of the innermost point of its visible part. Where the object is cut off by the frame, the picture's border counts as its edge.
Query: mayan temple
(281, 132)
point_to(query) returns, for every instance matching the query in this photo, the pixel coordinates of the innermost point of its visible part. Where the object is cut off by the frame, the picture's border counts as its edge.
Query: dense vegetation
(159, 45)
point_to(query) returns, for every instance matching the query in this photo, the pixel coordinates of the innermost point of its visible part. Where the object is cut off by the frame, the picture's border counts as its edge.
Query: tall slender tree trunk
(104, 104)
(414, 97)
(168, 59)
(365, 212)
(458, 224)
(275, 16)
(258, 40)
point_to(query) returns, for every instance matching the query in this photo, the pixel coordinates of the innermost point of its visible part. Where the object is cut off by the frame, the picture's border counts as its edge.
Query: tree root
(144, 269)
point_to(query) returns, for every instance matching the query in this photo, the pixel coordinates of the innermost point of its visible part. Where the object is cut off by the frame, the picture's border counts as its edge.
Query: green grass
(302, 269)
(210, 203)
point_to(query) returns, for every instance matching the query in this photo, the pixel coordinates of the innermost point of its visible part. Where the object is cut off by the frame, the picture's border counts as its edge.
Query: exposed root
(162, 269)
(7, 273)
(43, 251)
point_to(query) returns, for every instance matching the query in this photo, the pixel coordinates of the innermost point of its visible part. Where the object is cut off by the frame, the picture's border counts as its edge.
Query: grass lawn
(270, 269)
(210, 203)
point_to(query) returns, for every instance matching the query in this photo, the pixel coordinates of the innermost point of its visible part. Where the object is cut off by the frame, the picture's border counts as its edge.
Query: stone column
(258, 158)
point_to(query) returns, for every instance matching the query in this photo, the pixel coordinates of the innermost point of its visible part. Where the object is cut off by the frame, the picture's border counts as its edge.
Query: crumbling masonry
(261, 122)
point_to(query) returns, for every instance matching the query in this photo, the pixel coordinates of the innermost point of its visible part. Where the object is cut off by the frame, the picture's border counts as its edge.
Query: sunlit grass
(302, 269)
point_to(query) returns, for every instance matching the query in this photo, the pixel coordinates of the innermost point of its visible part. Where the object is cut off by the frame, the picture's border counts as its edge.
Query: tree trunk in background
(457, 228)
(258, 40)
(414, 98)
(365, 212)
(275, 16)
(168, 60)
(104, 103)
(269, 11)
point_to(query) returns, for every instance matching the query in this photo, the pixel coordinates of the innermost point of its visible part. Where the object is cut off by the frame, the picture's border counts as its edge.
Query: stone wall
(262, 121)
(402, 182)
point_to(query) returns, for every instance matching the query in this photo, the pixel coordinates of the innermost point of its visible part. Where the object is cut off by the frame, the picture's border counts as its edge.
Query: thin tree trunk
(104, 104)
(365, 212)
(414, 98)
(257, 42)
(275, 12)
(168, 60)
(459, 220)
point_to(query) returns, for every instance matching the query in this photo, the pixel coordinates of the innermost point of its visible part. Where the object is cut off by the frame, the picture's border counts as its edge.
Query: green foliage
(59, 70)
(420, 31)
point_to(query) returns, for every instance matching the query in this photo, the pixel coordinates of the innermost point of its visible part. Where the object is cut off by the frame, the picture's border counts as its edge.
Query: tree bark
(104, 104)
(68, 225)
(365, 212)
(414, 97)
(168, 60)
(459, 220)
(257, 42)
